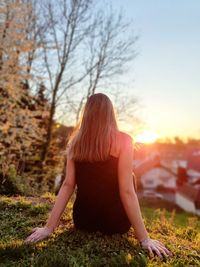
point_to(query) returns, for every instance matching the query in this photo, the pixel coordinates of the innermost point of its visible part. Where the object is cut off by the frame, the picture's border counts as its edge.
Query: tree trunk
(49, 134)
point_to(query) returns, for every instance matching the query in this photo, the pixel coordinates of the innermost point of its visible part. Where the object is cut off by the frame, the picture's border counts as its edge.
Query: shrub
(11, 183)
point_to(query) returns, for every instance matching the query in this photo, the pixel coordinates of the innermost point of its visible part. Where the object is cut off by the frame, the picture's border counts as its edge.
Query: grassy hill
(66, 247)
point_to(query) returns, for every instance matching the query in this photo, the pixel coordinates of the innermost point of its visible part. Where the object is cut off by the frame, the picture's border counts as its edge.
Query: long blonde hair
(97, 131)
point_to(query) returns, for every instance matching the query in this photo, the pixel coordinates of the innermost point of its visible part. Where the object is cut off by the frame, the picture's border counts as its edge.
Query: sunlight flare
(147, 137)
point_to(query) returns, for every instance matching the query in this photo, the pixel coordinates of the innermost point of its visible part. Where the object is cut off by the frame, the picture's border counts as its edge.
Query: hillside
(18, 215)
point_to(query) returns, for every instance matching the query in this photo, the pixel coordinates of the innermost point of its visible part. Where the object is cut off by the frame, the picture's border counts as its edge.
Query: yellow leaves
(197, 238)
(129, 258)
(14, 43)
(5, 127)
(193, 221)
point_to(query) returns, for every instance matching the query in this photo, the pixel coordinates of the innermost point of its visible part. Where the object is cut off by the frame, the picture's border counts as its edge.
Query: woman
(99, 163)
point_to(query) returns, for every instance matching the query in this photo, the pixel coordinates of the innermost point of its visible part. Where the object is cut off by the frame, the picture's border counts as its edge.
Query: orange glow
(147, 137)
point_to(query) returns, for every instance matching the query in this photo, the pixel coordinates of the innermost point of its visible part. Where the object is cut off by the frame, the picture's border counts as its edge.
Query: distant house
(193, 176)
(159, 176)
(188, 198)
(193, 156)
(177, 163)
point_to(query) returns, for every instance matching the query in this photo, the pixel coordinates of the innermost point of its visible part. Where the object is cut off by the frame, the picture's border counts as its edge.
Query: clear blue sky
(166, 72)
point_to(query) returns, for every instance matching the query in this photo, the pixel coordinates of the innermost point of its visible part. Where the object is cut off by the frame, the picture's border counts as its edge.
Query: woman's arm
(62, 199)
(126, 188)
(130, 200)
(63, 196)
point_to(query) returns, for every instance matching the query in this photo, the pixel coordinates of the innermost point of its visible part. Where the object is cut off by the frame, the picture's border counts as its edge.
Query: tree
(53, 56)
(86, 48)
(22, 115)
(13, 44)
(109, 52)
(66, 31)
(193, 141)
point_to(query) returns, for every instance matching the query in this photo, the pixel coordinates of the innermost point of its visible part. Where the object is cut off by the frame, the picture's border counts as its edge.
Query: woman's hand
(155, 246)
(38, 234)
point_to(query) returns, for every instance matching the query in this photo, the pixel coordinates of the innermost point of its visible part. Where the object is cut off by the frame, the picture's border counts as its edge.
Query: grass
(67, 247)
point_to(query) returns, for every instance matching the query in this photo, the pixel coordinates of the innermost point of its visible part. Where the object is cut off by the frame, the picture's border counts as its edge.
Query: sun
(147, 137)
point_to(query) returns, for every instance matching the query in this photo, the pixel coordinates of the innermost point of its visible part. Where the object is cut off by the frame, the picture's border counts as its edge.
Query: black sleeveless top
(98, 206)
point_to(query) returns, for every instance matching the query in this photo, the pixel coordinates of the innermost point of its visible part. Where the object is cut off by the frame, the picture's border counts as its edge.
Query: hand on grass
(155, 247)
(38, 234)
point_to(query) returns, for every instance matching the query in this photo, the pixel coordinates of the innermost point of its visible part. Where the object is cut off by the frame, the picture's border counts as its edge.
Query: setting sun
(147, 137)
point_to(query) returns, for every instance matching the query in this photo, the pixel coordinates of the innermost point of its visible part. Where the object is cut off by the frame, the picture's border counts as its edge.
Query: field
(179, 231)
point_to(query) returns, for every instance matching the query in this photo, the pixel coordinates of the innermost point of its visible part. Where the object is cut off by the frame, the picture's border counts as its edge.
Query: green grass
(67, 247)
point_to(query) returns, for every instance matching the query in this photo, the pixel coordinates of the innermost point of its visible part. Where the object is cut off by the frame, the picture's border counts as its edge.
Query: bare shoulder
(124, 137)
(124, 140)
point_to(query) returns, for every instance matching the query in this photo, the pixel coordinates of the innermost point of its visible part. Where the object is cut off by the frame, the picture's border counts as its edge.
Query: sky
(166, 71)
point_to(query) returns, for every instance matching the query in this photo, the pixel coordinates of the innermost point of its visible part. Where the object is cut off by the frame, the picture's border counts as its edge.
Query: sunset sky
(166, 72)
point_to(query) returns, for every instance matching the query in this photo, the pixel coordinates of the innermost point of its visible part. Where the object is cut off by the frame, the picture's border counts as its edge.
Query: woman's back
(98, 206)
(95, 150)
